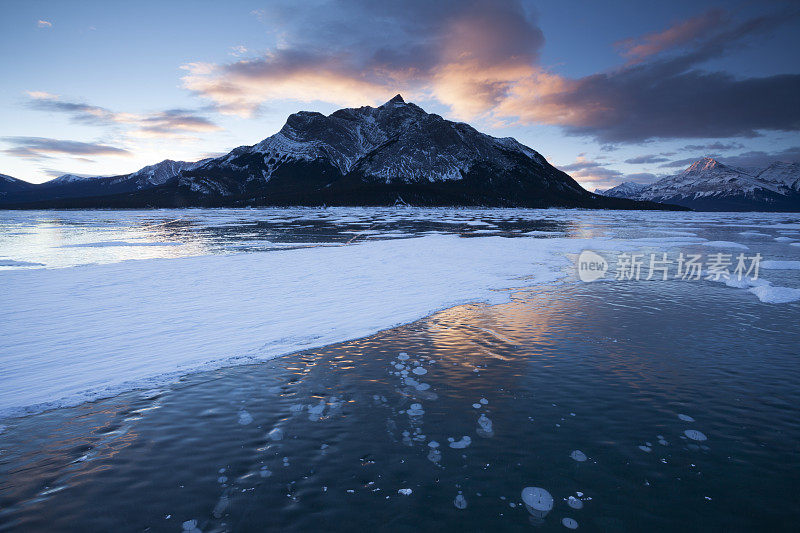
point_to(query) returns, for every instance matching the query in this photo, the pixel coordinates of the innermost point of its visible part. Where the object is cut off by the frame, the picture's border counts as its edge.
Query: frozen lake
(638, 404)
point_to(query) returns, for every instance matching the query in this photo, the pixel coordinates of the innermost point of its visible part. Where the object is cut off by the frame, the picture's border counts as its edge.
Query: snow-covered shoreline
(84, 333)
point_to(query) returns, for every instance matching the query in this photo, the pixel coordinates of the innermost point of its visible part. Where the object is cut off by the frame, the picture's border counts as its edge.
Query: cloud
(482, 60)
(682, 163)
(646, 159)
(168, 123)
(466, 55)
(44, 24)
(238, 50)
(43, 148)
(760, 159)
(718, 145)
(681, 33)
(642, 177)
(581, 164)
(591, 174)
(666, 97)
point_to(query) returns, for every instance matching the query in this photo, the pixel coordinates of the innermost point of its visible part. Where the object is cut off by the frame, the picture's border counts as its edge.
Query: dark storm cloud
(670, 96)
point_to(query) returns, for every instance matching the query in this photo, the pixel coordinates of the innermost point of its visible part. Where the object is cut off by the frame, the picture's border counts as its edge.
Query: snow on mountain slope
(626, 189)
(708, 184)
(160, 173)
(782, 175)
(396, 144)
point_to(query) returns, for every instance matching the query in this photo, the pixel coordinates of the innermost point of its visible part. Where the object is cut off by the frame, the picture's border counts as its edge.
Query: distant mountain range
(392, 154)
(708, 185)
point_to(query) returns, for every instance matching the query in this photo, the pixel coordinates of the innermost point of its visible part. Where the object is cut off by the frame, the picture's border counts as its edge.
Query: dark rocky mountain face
(393, 154)
(708, 185)
(9, 185)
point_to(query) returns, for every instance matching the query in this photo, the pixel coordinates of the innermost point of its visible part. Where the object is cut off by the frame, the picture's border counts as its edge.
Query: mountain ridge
(394, 153)
(710, 185)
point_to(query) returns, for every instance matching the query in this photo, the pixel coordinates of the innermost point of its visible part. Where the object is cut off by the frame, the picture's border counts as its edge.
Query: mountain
(783, 175)
(392, 154)
(626, 189)
(9, 185)
(708, 185)
(69, 186)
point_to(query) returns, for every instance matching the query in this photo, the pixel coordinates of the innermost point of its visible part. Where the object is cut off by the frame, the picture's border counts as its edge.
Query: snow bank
(82, 333)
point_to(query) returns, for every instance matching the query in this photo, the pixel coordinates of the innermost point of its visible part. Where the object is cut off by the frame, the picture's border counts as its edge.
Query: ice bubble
(458, 444)
(419, 371)
(686, 418)
(578, 456)
(405, 492)
(662, 442)
(423, 387)
(460, 502)
(403, 356)
(434, 456)
(191, 526)
(574, 502)
(244, 418)
(476, 405)
(695, 435)
(569, 523)
(484, 401)
(275, 434)
(404, 373)
(537, 500)
(411, 382)
(645, 448)
(415, 410)
(285, 461)
(222, 505)
(264, 472)
(485, 426)
(433, 444)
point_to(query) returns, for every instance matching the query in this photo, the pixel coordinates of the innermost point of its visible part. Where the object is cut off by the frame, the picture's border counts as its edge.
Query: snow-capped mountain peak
(626, 189)
(710, 185)
(703, 165)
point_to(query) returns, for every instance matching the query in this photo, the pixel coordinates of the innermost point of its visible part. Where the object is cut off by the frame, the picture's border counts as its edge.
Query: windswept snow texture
(76, 334)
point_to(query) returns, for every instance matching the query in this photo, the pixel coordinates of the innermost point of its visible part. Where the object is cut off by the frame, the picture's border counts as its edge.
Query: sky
(607, 91)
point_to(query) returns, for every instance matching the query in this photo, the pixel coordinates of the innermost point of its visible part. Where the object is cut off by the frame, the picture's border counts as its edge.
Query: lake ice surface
(99, 302)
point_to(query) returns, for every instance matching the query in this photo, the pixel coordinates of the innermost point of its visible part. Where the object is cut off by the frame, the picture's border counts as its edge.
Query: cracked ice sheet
(78, 334)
